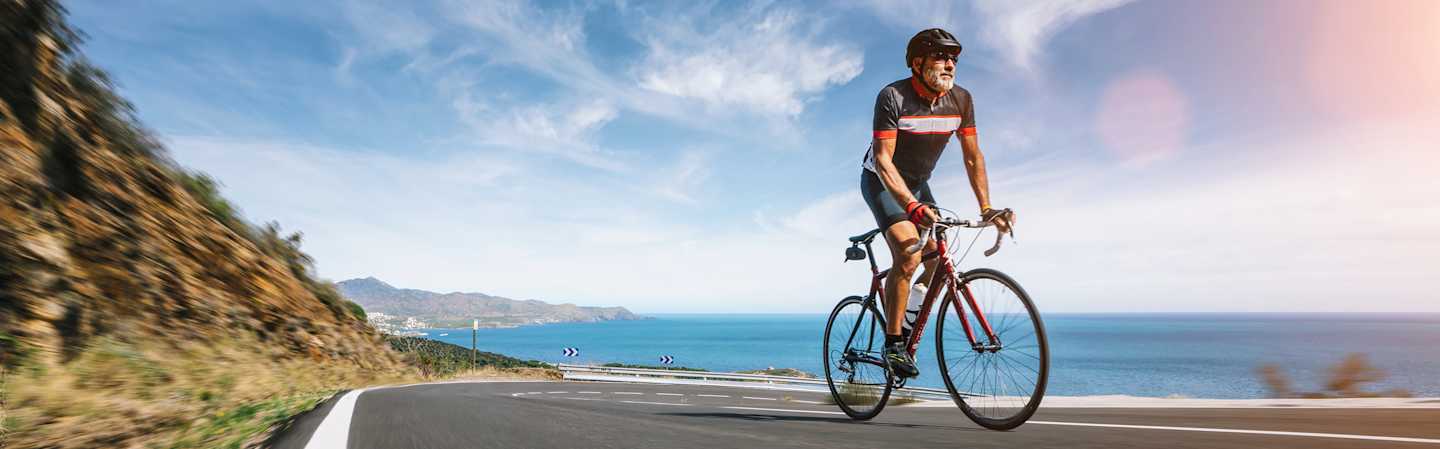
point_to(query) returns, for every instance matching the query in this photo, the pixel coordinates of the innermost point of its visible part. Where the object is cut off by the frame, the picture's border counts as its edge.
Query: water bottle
(912, 307)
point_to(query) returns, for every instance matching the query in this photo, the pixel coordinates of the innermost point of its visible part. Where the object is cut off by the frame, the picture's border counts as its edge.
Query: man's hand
(1004, 219)
(920, 214)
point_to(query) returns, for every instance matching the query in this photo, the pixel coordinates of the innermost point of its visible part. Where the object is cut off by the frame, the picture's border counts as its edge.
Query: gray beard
(932, 78)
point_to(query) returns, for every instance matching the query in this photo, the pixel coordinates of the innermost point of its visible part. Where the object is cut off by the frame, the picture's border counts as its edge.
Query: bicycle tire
(852, 313)
(987, 404)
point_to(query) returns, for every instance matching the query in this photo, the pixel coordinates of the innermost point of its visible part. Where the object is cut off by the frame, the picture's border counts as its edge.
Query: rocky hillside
(125, 279)
(458, 309)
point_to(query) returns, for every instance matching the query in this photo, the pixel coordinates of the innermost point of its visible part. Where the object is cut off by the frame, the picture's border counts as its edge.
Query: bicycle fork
(994, 340)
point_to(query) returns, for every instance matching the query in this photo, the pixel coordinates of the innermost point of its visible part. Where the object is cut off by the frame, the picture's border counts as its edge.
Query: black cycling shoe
(900, 361)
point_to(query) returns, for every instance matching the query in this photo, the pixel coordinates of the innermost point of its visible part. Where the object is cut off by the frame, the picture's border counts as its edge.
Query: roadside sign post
(474, 330)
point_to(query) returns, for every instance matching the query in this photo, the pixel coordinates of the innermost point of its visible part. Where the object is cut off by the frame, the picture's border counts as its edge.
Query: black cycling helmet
(928, 41)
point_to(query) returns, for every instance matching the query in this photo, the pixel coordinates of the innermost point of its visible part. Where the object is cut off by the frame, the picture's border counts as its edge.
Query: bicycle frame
(946, 273)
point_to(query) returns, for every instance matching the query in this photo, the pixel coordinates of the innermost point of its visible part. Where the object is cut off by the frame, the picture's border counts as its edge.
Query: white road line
(533, 392)
(627, 392)
(668, 394)
(334, 430)
(1255, 432)
(758, 399)
(588, 392)
(655, 403)
(787, 410)
(584, 399)
(557, 392)
(712, 395)
(806, 402)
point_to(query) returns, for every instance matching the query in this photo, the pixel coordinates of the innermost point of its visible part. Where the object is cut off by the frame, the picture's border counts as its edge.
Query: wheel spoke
(995, 387)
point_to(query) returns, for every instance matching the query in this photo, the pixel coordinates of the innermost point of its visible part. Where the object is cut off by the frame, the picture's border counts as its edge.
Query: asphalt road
(613, 415)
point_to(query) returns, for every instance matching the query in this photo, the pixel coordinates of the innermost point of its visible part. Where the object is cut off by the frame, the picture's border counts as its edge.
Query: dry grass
(160, 395)
(509, 373)
(1347, 380)
(855, 395)
(5, 420)
(155, 394)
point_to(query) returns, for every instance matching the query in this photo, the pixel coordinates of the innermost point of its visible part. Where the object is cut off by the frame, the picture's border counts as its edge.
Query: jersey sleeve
(967, 116)
(887, 114)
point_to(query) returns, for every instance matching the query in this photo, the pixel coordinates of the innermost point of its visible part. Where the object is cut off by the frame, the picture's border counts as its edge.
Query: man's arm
(890, 176)
(975, 167)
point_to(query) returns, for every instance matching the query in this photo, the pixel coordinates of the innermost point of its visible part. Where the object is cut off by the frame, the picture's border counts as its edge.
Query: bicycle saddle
(866, 237)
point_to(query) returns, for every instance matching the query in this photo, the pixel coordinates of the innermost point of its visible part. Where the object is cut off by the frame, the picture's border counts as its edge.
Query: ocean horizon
(1169, 354)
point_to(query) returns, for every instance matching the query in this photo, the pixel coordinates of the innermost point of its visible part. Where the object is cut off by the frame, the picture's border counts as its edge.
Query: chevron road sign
(667, 359)
(571, 352)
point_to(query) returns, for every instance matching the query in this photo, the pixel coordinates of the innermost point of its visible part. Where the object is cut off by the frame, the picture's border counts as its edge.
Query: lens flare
(1143, 117)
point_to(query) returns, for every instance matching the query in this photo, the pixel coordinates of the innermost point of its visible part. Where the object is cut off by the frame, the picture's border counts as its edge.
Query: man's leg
(901, 236)
(930, 265)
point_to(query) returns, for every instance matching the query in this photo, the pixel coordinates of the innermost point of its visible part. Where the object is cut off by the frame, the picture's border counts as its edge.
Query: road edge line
(1254, 432)
(334, 430)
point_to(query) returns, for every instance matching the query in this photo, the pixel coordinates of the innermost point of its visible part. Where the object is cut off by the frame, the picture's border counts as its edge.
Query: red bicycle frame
(946, 271)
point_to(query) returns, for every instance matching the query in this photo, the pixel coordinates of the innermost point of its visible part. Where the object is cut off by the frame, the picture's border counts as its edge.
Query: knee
(906, 264)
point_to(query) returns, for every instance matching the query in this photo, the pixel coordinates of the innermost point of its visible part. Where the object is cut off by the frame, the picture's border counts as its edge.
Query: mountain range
(457, 309)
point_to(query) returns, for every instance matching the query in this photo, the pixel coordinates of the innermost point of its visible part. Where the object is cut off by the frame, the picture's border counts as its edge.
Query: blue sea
(1198, 355)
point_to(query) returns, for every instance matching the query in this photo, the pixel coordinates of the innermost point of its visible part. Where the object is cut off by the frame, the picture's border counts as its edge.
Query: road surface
(618, 415)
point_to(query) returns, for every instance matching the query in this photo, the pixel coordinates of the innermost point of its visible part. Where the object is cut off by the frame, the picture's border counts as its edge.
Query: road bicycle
(994, 358)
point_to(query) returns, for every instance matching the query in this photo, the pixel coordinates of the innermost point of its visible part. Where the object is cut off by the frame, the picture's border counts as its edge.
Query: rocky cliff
(113, 258)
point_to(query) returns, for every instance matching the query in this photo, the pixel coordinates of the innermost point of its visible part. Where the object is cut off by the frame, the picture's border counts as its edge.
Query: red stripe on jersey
(930, 116)
(967, 131)
(885, 134)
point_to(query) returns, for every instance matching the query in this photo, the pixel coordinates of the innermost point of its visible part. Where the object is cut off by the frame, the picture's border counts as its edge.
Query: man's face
(938, 70)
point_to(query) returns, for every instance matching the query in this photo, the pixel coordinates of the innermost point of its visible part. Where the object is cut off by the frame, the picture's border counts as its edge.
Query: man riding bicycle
(914, 118)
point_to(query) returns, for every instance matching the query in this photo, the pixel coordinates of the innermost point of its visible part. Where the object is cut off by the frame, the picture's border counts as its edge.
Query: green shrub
(440, 358)
(356, 310)
(206, 190)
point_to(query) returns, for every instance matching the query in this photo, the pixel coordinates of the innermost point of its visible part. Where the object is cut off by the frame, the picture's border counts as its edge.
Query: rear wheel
(855, 365)
(997, 386)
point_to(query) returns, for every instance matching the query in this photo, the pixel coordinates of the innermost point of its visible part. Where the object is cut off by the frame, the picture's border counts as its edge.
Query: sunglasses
(945, 55)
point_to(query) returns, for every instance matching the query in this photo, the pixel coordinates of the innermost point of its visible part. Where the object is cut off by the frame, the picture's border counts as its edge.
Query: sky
(1162, 156)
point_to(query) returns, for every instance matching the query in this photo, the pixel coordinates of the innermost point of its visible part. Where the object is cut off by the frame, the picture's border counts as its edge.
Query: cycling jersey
(921, 125)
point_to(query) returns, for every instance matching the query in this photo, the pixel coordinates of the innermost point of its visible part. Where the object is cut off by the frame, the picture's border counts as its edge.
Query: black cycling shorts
(882, 204)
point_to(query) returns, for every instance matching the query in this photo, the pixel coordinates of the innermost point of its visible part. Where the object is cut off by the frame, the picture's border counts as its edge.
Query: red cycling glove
(916, 211)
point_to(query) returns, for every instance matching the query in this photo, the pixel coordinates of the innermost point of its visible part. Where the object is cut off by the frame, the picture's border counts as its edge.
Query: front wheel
(998, 384)
(855, 365)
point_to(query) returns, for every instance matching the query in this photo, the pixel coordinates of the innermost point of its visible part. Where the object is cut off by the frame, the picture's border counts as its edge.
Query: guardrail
(613, 374)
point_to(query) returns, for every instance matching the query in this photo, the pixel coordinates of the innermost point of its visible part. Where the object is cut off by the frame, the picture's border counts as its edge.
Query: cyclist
(914, 118)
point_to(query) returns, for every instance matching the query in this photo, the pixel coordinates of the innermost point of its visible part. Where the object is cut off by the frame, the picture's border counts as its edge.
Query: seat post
(874, 269)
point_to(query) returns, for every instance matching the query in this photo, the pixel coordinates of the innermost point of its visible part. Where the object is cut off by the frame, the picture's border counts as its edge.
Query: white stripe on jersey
(930, 124)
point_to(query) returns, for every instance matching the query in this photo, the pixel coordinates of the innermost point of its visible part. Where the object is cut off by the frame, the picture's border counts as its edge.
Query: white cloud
(819, 220)
(565, 128)
(766, 61)
(1020, 29)
(1017, 29)
(680, 181)
(388, 27)
(548, 41)
(474, 221)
